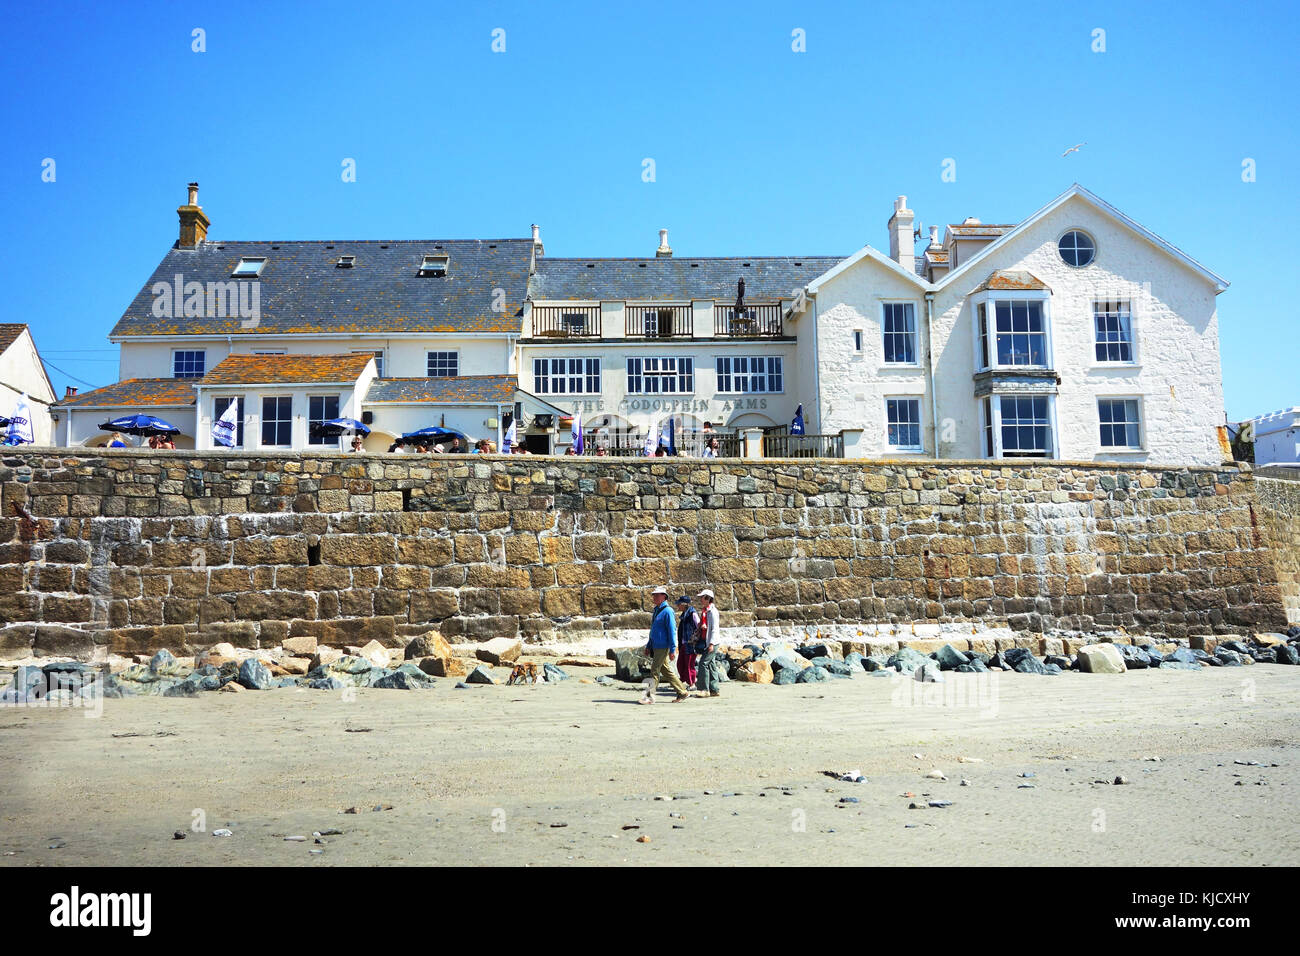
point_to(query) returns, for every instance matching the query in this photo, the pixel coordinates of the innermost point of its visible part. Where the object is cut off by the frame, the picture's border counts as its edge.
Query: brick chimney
(194, 225)
(69, 391)
(664, 251)
(901, 248)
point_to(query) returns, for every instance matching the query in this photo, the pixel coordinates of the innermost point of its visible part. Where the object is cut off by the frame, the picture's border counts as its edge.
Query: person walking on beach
(688, 627)
(710, 638)
(663, 647)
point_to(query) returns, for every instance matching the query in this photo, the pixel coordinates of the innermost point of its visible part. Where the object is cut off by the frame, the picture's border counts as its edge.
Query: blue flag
(796, 426)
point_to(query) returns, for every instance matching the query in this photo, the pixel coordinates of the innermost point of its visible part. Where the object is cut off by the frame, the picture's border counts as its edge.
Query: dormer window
(345, 262)
(434, 266)
(249, 268)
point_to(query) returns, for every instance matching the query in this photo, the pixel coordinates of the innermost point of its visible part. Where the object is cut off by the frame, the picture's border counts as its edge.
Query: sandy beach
(571, 774)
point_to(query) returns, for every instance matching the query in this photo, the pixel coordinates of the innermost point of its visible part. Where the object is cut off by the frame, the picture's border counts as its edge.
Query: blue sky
(757, 149)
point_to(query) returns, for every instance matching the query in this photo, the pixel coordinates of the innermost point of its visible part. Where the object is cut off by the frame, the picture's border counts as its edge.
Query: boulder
(431, 644)
(1170, 665)
(811, 675)
(406, 677)
(928, 673)
(480, 675)
(876, 662)
(353, 671)
(1101, 659)
(754, 672)
(950, 658)
(499, 651)
(1057, 661)
(631, 665)
(254, 675)
(1270, 639)
(853, 647)
(786, 675)
(445, 666)
(831, 650)
(1237, 646)
(1135, 658)
(232, 688)
(323, 656)
(976, 666)
(1029, 664)
(1287, 654)
(326, 683)
(304, 646)
(1228, 658)
(834, 668)
(376, 654)
(905, 660)
(293, 666)
(1265, 655)
(552, 674)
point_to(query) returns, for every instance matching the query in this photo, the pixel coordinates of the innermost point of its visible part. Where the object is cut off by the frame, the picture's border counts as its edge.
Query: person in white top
(711, 630)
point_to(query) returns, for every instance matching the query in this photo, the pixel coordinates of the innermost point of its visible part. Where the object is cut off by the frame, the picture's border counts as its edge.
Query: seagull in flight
(1073, 149)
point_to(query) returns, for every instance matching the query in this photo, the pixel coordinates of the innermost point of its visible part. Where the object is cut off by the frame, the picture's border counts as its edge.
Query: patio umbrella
(334, 427)
(140, 425)
(431, 435)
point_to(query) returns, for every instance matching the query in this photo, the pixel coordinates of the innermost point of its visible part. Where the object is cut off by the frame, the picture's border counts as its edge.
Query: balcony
(566, 322)
(658, 321)
(754, 321)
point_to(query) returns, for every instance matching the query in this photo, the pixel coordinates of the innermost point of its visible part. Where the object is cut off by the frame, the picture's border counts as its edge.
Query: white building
(23, 373)
(1277, 437)
(1077, 334)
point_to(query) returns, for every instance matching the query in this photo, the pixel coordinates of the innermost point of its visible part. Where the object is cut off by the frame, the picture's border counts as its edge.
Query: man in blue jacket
(663, 646)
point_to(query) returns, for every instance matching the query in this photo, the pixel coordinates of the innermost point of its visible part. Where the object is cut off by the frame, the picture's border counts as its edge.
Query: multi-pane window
(1021, 333)
(661, 376)
(277, 421)
(443, 364)
(219, 407)
(750, 373)
(566, 376)
(1120, 425)
(900, 333)
(320, 408)
(188, 363)
(379, 359)
(903, 419)
(1113, 322)
(1076, 248)
(1026, 427)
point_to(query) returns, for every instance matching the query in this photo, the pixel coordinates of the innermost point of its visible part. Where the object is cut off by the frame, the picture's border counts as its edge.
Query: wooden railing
(658, 321)
(629, 444)
(566, 322)
(753, 320)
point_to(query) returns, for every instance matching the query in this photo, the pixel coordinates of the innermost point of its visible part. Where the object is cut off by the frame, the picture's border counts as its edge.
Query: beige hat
(663, 591)
(706, 593)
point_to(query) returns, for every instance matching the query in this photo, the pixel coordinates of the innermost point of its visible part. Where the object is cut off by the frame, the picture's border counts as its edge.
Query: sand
(554, 774)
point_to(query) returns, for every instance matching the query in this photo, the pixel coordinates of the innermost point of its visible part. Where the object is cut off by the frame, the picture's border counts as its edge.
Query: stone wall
(134, 550)
(1279, 519)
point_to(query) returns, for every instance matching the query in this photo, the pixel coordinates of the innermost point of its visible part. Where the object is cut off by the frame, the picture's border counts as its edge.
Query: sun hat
(660, 590)
(706, 593)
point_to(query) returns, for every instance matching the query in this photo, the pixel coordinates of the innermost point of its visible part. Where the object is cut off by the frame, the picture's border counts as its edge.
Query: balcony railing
(803, 446)
(753, 320)
(628, 443)
(566, 322)
(658, 321)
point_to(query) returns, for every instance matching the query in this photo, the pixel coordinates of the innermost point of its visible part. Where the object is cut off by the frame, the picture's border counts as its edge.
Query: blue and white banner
(508, 442)
(796, 426)
(224, 428)
(576, 434)
(20, 423)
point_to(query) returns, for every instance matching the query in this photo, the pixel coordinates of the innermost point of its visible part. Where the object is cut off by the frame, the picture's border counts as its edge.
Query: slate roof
(1010, 279)
(302, 290)
(462, 390)
(9, 332)
(285, 369)
(766, 278)
(136, 393)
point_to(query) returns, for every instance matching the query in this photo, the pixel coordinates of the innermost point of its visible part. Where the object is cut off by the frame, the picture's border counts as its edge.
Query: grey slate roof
(461, 390)
(303, 291)
(766, 277)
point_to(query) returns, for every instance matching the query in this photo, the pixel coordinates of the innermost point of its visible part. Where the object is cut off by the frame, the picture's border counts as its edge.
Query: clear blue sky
(759, 150)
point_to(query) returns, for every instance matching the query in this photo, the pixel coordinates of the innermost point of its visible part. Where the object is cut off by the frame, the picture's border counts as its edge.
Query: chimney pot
(69, 391)
(537, 233)
(194, 225)
(934, 235)
(664, 251)
(900, 204)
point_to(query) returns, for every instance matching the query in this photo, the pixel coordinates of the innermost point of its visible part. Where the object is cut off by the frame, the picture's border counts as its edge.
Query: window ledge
(1123, 451)
(893, 449)
(1109, 365)
(905, 366)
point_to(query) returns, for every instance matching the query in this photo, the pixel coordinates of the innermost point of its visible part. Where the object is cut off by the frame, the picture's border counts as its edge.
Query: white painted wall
(405, 356)
(1277, 437)
(21, 373)
(80, 426)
